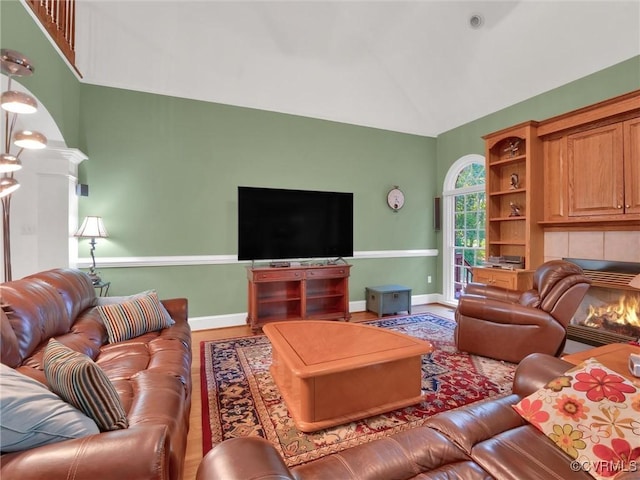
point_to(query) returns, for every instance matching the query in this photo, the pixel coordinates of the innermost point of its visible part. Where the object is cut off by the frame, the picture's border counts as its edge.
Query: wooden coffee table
(614, 356)
(330, 373)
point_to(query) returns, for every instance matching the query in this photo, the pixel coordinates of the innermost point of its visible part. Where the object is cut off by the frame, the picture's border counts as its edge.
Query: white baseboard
(239, 319)
(218, 321)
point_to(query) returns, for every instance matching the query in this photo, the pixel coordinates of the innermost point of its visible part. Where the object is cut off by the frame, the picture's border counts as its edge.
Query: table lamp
(92, 227)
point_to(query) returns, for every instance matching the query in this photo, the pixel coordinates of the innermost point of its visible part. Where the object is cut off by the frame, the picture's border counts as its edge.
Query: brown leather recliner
(509, 325)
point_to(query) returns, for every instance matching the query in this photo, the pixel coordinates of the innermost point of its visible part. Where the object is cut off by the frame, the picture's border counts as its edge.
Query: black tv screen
(287, 224)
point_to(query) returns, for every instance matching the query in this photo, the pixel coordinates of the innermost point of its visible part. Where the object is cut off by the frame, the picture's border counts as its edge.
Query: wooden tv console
(318, 292)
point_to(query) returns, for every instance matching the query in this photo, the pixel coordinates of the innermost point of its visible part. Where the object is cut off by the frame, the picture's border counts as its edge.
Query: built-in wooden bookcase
(514, 190)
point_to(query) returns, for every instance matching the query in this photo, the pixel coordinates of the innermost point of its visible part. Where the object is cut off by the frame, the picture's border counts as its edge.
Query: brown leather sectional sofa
(151, 374)
(484, 440)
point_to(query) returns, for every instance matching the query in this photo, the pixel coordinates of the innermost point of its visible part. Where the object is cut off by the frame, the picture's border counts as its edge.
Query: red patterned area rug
(240, 398)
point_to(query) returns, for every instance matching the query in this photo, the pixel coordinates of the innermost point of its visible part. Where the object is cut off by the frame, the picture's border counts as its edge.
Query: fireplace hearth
(610, 311)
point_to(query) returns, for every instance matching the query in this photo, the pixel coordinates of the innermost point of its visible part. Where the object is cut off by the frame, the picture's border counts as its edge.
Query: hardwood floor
(194, 439)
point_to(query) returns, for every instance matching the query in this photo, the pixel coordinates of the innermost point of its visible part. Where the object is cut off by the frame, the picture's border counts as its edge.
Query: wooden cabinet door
(481, 275)
(595, 172)
(504, 279)
(632, 166)
(555, 178)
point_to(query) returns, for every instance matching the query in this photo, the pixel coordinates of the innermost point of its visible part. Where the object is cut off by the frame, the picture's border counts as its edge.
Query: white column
(44, 211)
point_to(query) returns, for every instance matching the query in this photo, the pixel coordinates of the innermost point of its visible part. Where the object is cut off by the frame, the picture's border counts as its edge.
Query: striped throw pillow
(135, 317)
(78, 380)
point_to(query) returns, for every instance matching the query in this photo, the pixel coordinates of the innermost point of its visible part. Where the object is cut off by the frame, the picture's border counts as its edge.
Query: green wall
(163, 172)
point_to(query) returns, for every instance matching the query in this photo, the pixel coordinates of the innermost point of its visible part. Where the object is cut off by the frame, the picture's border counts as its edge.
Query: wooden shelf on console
(319, 292)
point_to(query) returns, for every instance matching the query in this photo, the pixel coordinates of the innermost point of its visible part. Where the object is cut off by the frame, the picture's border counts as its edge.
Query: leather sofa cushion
(524, 453)
(417, 453)
(32, 325)
(73, 285)
(501, 442)
(478, 422)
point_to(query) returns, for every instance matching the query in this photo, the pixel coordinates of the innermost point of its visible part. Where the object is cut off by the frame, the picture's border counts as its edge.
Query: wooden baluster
(58, 18)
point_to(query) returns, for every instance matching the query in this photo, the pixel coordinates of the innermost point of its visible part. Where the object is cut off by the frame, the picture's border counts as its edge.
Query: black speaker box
(437, 213)
(82, 190)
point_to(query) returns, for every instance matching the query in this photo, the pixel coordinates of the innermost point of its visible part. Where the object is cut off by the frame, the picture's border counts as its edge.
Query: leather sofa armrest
(178, 308)
(496, 311)
(493, 292)
(535, 371)
(136, 453)
(243, 458)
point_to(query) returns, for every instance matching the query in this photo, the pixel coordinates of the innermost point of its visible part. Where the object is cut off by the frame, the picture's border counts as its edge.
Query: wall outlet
(428, 278)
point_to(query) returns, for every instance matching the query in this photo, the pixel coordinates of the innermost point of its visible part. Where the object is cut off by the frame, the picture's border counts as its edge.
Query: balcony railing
(59, 19)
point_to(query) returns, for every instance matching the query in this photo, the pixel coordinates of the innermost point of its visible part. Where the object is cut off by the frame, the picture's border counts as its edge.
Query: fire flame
(625, 312)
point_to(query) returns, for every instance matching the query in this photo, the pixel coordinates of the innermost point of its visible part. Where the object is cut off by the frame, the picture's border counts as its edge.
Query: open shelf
(298, 293)
(513, 174)
(272, 311)
(324, 295)
(507, 192)
(507, 219)
(506, 160)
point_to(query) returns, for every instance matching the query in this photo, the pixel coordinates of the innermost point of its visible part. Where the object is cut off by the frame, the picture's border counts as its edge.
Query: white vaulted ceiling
(407, 66)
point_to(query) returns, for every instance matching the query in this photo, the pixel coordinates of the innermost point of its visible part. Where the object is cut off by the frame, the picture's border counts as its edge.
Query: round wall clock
(395, 198)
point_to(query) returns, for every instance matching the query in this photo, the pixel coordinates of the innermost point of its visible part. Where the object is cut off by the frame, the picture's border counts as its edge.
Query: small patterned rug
(240, 398)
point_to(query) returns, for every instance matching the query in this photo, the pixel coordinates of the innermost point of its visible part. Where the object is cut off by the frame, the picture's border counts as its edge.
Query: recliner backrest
(561, 286)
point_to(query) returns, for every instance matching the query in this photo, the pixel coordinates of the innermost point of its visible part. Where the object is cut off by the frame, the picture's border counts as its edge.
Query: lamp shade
(9, 163)
(8, 185)
(14, 63)
(92, 227)
(29, 139)
(635, 282)
(18, 102)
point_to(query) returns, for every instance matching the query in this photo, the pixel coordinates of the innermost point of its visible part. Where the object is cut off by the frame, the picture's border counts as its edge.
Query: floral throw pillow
(593, 415)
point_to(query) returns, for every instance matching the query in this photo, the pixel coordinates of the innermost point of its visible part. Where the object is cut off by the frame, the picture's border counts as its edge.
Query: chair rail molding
(181, 260)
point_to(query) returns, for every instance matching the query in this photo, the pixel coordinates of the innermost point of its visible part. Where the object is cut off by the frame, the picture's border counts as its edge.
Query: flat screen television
(292, 224)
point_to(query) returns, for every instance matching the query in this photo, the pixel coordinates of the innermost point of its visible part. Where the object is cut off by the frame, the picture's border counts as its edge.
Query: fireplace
(610, 311)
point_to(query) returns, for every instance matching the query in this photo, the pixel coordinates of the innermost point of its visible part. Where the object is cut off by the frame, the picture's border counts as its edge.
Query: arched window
(464, 234)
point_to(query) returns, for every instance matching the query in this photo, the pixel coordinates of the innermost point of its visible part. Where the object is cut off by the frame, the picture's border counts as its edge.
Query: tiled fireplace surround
(619, 246)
